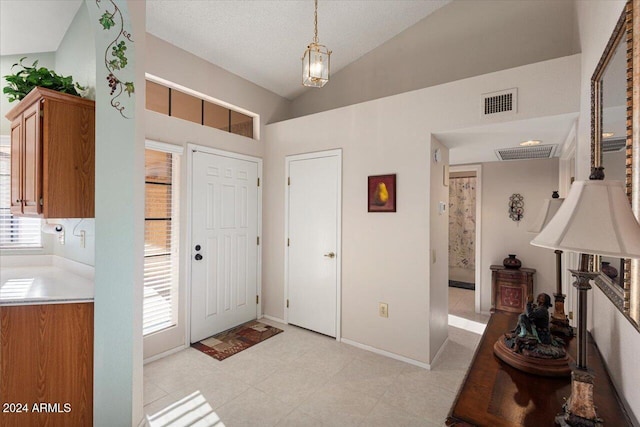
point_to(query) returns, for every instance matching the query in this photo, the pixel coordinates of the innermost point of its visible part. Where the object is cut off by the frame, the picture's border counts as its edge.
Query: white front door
(313, 231)
(224, 252)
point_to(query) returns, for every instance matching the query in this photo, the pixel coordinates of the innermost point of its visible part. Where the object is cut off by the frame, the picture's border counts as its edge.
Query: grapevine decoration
(516, 207)
(115, 57)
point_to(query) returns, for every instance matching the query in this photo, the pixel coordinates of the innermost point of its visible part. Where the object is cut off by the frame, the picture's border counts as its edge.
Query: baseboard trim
(275, 319)
(386, 353)
(440, 351)
(164, 354)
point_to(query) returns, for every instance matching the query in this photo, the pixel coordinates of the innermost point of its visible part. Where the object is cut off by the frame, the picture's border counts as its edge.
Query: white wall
(449, 45)
(618, 340)
(385, 256)
(534, 180)
(119, 226)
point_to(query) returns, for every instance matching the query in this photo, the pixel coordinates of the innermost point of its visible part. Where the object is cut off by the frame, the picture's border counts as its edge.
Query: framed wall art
(382, 193)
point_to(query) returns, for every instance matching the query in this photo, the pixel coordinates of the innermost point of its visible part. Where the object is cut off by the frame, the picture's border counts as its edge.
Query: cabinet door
(16, 166)
(32, 160)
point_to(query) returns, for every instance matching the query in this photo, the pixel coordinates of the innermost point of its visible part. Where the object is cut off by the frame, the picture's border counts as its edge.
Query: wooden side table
(510, 288)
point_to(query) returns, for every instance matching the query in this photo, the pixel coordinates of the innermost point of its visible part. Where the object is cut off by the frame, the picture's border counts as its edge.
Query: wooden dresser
(510, 288)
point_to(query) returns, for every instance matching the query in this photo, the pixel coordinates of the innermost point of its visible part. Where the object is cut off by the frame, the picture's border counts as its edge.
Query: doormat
(232, 341)
(462, 285)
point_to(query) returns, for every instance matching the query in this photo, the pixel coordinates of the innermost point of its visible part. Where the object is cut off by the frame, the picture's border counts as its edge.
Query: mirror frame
(627, 297)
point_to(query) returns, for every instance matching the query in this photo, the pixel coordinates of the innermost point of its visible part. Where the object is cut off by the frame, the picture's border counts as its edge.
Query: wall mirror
(615, 146)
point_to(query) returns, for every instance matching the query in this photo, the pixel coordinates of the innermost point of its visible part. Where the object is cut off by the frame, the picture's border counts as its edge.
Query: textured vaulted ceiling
(263, 41)
(30, 26)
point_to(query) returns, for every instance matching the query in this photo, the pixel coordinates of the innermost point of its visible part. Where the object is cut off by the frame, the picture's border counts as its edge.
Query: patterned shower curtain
(462, 222)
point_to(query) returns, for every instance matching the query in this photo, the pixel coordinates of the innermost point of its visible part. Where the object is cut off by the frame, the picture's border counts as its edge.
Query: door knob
(198, 257)
(330, 255)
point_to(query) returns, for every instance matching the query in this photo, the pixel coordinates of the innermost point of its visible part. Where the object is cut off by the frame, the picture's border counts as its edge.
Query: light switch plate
(383, 309)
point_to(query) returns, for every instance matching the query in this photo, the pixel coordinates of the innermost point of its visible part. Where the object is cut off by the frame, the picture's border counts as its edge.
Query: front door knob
(330, 255)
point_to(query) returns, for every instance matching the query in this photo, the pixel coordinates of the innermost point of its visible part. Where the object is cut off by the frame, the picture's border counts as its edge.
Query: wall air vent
(504, 102)
(615, 144)
(526, 153)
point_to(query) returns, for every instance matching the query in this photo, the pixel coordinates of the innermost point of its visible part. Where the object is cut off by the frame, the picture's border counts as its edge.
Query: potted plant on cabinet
(24, 80)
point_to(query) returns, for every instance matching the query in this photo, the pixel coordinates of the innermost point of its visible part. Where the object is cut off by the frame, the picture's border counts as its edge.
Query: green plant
(20, 83)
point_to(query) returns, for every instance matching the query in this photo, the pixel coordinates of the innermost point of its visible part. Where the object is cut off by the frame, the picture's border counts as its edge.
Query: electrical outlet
(82, 239)
(383, 309)
(571, 315)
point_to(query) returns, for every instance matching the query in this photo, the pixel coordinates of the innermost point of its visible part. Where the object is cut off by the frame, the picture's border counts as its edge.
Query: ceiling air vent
(526, 153)
(500, 103)
(611, 145)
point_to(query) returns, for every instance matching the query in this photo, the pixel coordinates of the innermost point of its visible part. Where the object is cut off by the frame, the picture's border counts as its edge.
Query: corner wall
(438, 255)
(534, 180)
(76, 56)
(385, 257)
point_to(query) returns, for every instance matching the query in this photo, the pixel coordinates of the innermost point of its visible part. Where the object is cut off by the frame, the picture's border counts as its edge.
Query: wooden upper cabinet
(53, 155)
(16, 167)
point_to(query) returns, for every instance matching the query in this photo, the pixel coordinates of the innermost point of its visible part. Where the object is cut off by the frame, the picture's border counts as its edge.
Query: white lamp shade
(549, 209)
(595, 218)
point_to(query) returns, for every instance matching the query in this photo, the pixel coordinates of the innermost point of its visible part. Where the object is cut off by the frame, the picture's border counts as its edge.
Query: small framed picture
(382, 193)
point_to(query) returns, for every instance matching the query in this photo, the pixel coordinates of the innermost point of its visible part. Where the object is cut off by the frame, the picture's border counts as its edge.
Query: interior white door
(224, 253)
(313, 233)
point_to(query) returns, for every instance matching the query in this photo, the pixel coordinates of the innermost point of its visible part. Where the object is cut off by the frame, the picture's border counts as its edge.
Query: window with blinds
(160, 309)
(15, 232)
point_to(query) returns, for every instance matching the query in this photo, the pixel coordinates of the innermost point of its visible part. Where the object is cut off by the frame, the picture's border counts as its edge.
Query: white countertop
(44, 279)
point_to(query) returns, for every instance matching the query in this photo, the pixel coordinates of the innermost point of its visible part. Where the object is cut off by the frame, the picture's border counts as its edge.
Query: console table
(495, 394)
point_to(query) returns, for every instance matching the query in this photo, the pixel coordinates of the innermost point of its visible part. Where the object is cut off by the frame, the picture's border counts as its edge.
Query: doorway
(313, 242)
(465, 201)
(225, 224)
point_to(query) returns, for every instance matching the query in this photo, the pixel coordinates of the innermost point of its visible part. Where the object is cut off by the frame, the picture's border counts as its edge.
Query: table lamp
(559, 320)
(595, 218)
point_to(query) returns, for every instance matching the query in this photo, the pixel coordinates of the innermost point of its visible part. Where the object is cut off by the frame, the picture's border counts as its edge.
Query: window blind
(161, 241)
(15, 232)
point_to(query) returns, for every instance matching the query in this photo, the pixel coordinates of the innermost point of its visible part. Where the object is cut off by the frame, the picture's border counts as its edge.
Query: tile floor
(300, 378)
(462, 304)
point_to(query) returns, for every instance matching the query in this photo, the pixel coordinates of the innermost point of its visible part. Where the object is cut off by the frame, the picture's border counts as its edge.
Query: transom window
(175, 103)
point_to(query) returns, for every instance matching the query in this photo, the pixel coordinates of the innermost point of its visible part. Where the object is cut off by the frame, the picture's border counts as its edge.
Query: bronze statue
(535, 319)
(532, 336)
(530, 347)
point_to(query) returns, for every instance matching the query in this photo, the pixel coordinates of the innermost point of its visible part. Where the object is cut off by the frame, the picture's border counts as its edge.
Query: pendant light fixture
(315, 62)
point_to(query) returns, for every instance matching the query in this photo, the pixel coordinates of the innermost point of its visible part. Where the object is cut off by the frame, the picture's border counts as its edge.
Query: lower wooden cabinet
(46, 365)
(510, 288)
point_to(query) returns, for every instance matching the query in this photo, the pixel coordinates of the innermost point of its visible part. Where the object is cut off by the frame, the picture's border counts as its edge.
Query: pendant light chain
(315, 23)
(316, 58)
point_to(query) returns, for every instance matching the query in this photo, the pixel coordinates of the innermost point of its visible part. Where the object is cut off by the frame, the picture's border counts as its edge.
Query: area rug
(462, 285)
(233, 341)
